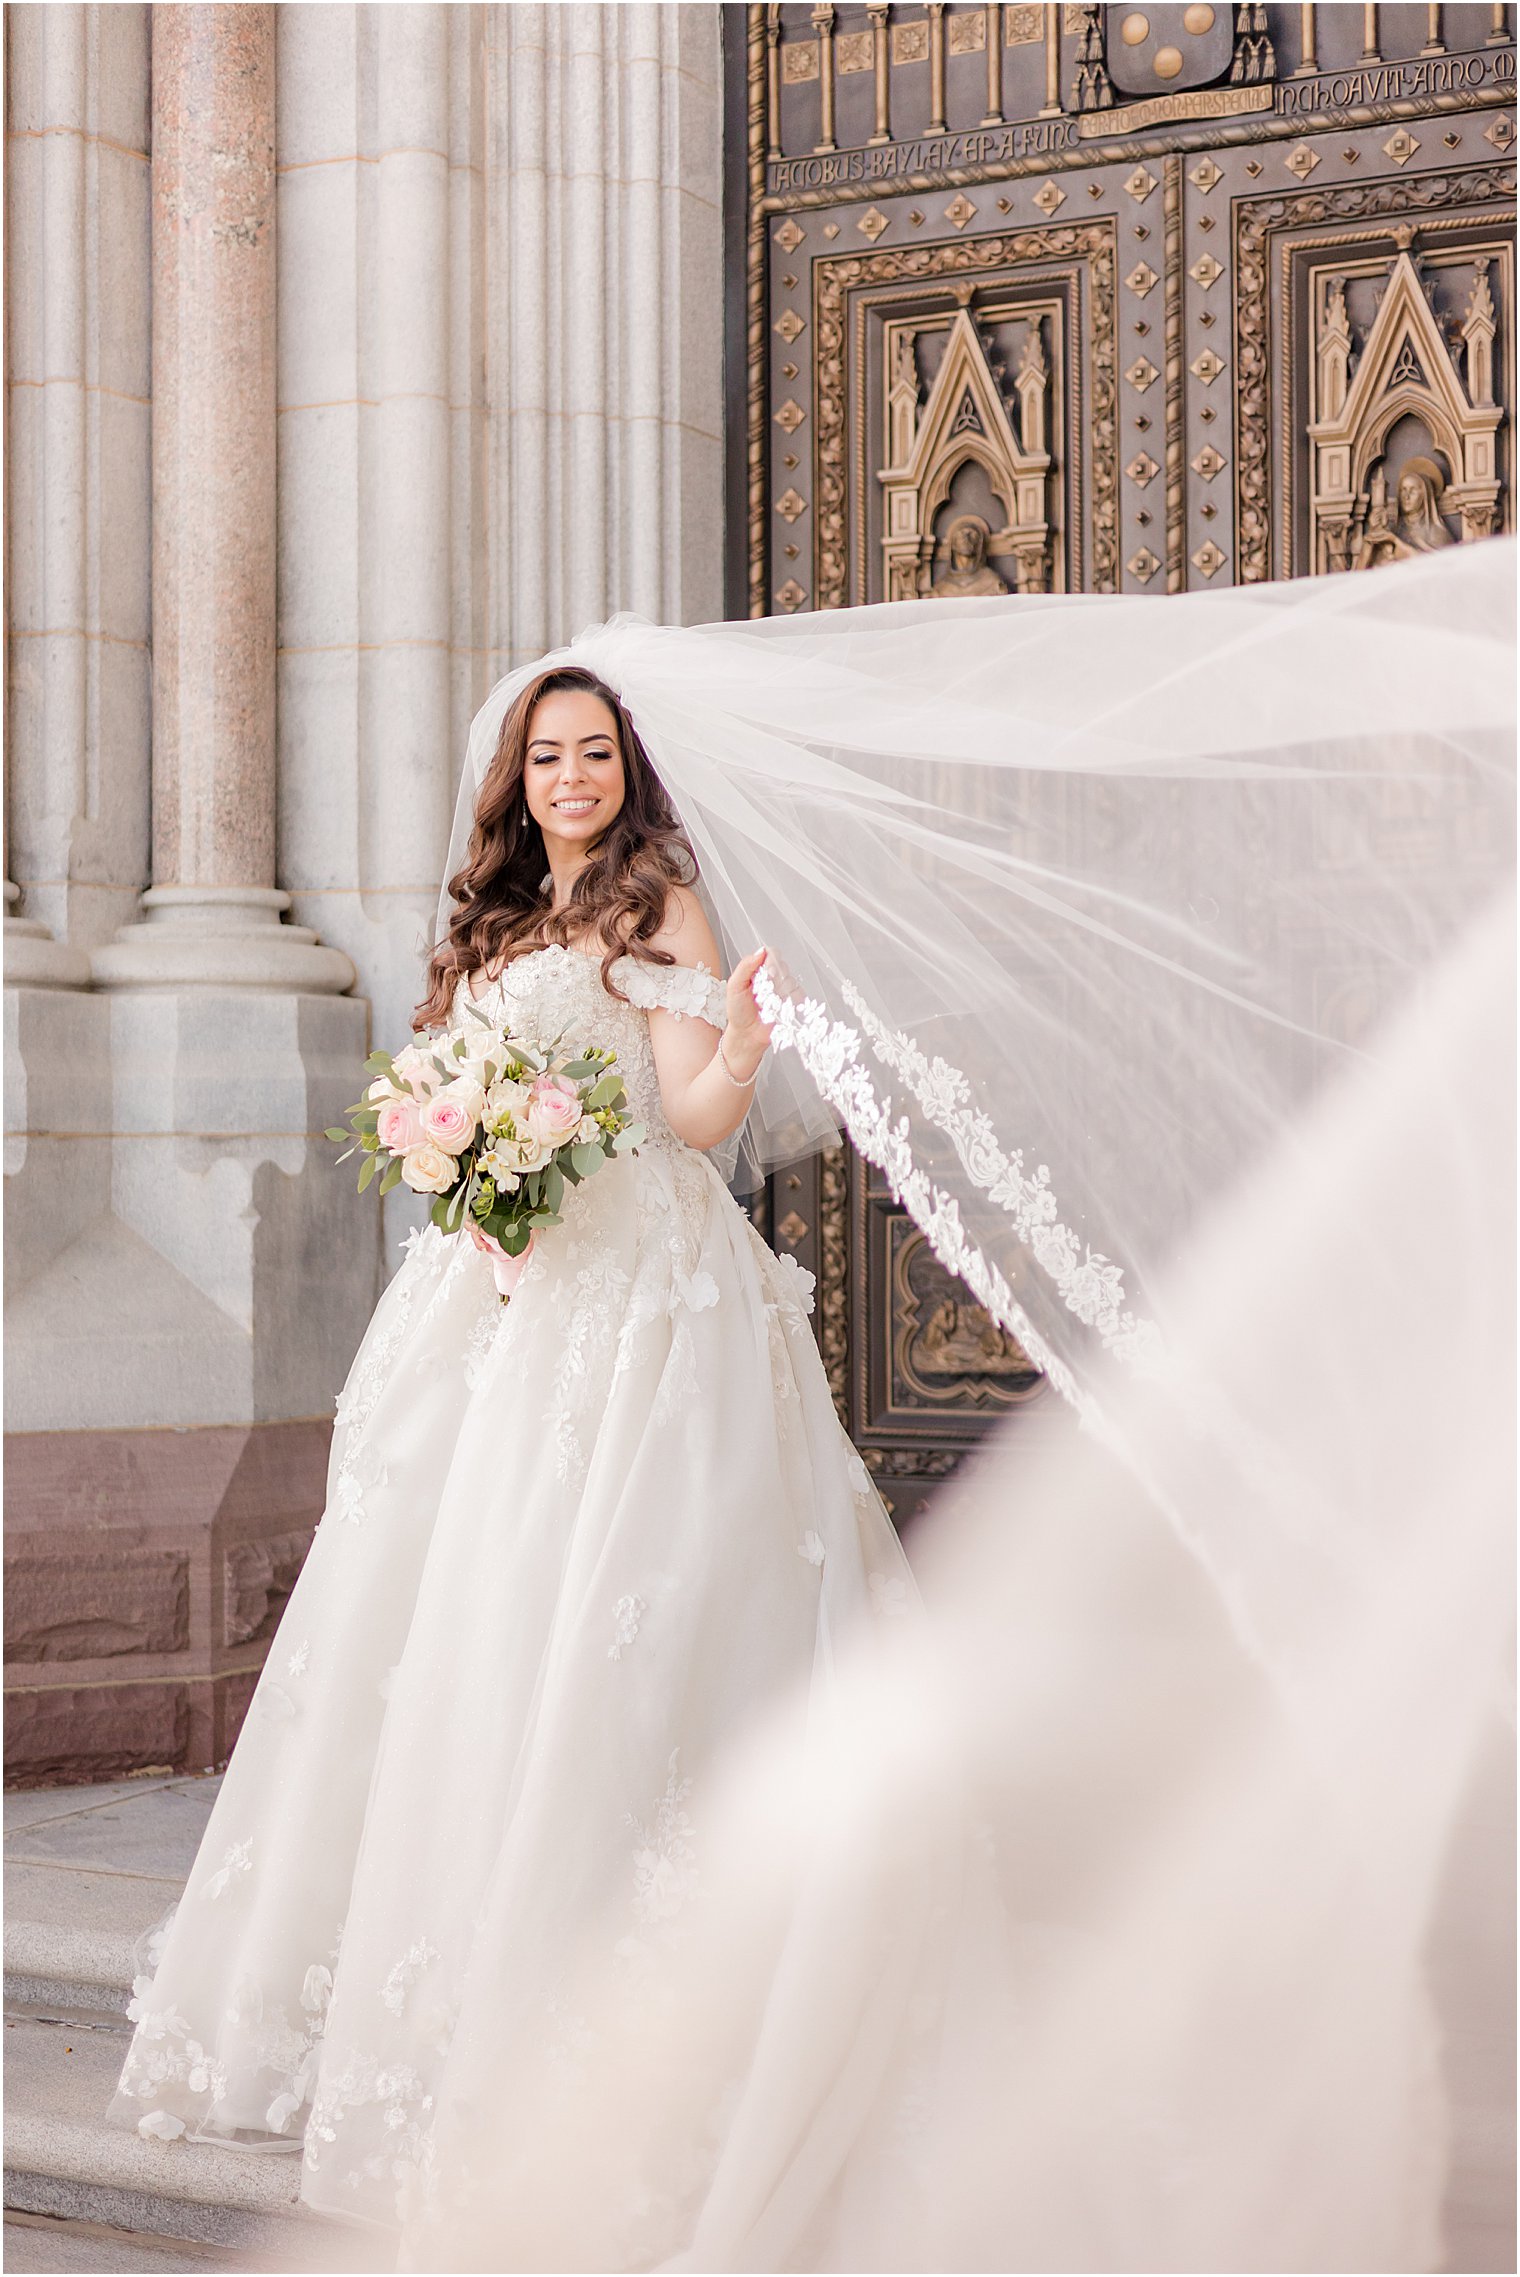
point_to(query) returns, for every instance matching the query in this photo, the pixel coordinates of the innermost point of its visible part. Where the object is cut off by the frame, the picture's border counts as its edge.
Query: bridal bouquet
(494, 1128)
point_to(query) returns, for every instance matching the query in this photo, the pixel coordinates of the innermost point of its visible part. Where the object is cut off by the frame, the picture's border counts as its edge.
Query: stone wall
(354, 353)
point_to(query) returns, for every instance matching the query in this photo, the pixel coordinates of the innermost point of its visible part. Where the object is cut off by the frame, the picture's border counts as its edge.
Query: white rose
(526, 1152)
(588, 1131)
(507, 1098)
(428, 1170)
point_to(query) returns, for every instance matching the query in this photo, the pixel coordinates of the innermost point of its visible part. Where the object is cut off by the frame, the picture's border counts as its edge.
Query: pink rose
(398, 1126)
(554, 1110)
(450, 1117)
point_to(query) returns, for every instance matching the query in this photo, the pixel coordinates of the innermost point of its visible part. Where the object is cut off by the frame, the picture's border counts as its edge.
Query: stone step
(42, 2245)
(65, 2161)
(88, 1871)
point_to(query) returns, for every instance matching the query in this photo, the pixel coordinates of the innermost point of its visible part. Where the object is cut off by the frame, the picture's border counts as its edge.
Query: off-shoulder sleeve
(687, 991)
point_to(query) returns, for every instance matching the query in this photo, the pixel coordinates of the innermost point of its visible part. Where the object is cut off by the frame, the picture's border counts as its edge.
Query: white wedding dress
(572, 1545)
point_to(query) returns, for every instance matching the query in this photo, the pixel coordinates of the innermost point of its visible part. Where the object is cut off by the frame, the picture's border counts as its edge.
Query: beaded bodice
(555, 991)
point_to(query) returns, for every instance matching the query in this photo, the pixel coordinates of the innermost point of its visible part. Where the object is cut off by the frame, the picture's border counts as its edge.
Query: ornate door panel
(1098, 299)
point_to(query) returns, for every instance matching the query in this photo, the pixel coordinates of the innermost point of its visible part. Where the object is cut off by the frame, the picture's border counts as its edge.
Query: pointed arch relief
(1406, 433)
(966, 495)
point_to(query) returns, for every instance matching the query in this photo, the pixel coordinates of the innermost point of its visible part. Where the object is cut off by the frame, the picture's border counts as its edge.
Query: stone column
(77, 332)
(213, 912)
(605, 317)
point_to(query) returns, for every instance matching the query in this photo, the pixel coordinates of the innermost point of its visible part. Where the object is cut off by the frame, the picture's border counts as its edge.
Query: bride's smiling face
(573, 771)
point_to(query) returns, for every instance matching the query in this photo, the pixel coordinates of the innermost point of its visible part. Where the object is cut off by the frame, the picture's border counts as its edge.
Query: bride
(573, 1541)
(490, 1915)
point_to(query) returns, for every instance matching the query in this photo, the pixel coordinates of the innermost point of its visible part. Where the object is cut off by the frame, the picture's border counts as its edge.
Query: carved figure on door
(969, 570)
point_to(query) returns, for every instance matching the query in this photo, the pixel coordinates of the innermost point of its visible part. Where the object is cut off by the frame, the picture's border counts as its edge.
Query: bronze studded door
(1098, 299)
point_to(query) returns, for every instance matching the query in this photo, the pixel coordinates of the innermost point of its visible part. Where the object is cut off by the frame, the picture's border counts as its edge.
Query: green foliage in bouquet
(494, 1130)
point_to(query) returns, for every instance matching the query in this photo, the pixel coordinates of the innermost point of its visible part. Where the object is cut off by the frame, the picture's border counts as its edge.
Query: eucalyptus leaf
(370, 1166)
(337, 1136)
(602, 1094)
(586, 1158)
(392, 1176)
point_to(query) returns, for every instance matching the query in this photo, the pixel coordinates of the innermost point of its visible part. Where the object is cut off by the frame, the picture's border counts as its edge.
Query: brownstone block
(174, 1550)
(96, 1607)
(257, 1581)
(94, 1732)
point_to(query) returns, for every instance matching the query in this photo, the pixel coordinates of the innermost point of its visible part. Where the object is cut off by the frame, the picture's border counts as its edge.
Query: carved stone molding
(1259, 224)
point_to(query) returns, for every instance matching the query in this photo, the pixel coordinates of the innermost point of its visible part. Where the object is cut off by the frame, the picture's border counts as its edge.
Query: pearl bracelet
(739, 1084)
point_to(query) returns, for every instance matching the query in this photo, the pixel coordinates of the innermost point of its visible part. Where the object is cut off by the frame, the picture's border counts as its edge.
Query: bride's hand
(747, 1038)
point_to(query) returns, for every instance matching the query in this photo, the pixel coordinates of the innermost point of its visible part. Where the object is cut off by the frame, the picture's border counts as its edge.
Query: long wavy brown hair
(503, 899)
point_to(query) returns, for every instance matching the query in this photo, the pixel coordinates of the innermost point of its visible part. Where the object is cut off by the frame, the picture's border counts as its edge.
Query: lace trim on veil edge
(1088, 1284)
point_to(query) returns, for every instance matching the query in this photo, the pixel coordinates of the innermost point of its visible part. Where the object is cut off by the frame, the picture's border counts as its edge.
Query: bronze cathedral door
(1100, 299)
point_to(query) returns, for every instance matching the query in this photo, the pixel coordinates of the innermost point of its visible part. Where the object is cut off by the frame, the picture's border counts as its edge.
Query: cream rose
(428, 1170)
(414, 1066)
(449, 1118)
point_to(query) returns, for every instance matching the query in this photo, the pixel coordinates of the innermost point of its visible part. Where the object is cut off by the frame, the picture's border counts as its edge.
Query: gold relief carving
(1143, 565)
(1400, 146)
(1208, 462)
(1404, 373)
(789, 505)
(872, 223)
(852, 51)
(964, 421)
(1140, 184)
(1142, 373)
(959, 211)
(945, 1348)
(910, 43)
(1207, 366)
(789, 324)
(966, 32)
(1259, 223)
(1049, 197)
(790, 416)
(1302, 161)
(1142, 278)
(1204, 175)
(833, 1292)
(1206, 270)
(1164, 110)
(799, 61)
(789, 236)
(1142, 469)
(763, 125)
(1208, 558)
(836, 280)
(793, 1228)
(1501, 134)
(790, 597)
(1171, 207)
(1023, 26)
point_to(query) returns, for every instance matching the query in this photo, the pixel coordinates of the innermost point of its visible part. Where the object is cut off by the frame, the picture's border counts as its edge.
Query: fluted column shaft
(77, 412)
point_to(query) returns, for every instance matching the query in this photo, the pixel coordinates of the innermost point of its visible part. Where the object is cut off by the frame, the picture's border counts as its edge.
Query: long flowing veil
(1161, 954)
(1076, 900)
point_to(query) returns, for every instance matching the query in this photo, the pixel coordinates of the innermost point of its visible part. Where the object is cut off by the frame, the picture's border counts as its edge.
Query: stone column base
(33, 959)
(220, 937)
(145, 1574)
